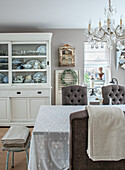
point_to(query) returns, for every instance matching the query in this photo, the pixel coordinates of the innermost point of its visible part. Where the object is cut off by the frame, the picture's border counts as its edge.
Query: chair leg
(7, 160)
(27, 157)
(12, 166)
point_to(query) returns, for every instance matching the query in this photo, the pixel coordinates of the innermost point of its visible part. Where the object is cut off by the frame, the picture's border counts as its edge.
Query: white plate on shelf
(32, 62)
(41, 49)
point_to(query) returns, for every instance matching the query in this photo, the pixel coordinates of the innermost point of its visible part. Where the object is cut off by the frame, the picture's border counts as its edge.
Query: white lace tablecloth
(49, 148)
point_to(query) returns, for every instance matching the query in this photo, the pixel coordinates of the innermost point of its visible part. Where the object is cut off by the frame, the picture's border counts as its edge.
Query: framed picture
(67, 56)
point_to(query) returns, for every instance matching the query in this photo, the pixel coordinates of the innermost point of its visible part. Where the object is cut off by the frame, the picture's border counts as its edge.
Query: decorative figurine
(101, 73)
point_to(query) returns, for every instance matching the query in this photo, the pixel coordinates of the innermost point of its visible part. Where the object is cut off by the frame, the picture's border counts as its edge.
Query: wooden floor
(19, 157)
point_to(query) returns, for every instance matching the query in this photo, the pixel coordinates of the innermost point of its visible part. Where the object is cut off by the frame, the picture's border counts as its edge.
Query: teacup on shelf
(36, 66)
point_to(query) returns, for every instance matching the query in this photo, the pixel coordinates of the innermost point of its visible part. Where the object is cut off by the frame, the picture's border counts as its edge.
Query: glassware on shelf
(39, 77)
(28, 49)
(28, 79)
(3, 53)
(33, 62)
(16, 62)
(44, 79)
(43, 64)
(18, 79)
(3, 60)
(5, 79)
(4, 66)
(27, 66)
(36, 65)
(42, 49)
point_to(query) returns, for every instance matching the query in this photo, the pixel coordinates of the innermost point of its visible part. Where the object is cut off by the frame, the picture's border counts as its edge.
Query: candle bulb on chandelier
(121, 21)
(108, 22)
(89, 24)
(100, 24)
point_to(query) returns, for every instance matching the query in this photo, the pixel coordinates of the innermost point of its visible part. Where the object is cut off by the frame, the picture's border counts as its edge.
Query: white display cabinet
(25, 76)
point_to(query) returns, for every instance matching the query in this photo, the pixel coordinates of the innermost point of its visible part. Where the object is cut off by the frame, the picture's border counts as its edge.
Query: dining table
(49, 149)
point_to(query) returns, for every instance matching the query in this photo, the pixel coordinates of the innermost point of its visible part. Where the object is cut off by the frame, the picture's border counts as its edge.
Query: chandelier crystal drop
(108, 32)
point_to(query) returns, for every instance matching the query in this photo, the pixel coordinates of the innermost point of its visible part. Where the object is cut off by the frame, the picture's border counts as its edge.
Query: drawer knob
(18, 92)
(39, 92)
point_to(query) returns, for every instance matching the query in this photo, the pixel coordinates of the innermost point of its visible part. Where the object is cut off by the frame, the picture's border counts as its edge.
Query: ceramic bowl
(27, 66)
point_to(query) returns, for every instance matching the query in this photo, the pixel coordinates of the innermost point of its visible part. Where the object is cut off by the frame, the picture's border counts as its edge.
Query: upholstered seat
(74, 95)
(79, 159)
(115, 92)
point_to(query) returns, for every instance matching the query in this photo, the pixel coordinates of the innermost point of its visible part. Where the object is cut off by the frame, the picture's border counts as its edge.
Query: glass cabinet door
(4, 64)
(29, 49)
(29, 63)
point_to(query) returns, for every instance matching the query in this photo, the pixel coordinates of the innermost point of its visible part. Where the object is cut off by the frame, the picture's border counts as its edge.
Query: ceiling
(53, 14)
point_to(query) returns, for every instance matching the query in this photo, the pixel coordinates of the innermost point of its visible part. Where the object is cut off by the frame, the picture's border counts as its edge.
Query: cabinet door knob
(39, 92)
(18, 92)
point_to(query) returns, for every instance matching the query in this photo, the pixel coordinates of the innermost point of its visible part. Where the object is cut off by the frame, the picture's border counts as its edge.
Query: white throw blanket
(106, 133)
(16, 133)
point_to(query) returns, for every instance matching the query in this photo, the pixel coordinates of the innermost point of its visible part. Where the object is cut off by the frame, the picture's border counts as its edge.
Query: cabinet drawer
(18, 93)
(38, 93)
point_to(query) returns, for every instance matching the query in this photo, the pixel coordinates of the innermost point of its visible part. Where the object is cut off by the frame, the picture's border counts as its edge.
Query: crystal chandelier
(108, 32)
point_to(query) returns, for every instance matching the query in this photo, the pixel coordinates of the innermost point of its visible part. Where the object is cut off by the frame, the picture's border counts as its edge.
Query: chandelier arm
(119, 36)
(98, 38)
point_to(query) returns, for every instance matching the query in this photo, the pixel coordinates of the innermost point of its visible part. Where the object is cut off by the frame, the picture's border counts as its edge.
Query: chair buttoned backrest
(115, 92)
(74, 95)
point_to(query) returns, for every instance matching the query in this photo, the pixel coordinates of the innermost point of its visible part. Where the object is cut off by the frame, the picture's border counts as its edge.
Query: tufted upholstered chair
(116, 92)
(74, 95)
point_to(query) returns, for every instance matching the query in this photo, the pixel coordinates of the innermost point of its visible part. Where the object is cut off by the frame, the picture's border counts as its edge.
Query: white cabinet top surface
(25, 36)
